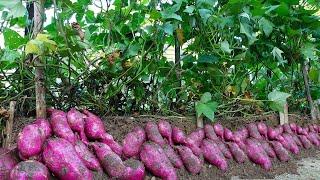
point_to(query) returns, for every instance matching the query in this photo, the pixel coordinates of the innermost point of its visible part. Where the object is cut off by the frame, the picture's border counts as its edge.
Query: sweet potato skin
(63, 161)
(192, 163)
(165, 130)
(133, 141)
(153, 133)
(76, 123)
(281, 152)
(213, 155)
(238, 154)
(93, 127)
(178, 136)
(7, 163)
(173, 156)
(44, 126)
(87, 157)
(113, 144)
(30, 141)
(257, 154)
(219, 130)
(135, 170)
(253, 131)
(209, 132)
(29, 170)
(110, 161)
(305, 141)
(156, 161)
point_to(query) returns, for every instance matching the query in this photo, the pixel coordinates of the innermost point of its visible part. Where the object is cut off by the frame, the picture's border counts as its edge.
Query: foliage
(114, 59)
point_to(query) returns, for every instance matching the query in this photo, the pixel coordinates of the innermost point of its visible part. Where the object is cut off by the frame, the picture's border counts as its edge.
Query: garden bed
(119, 126)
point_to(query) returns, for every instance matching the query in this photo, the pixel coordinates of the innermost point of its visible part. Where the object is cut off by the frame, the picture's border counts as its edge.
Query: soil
(120, 126)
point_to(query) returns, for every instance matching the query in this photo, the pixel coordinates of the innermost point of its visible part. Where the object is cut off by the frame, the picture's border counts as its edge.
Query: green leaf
(12, 39)
(247, 30)
(206, 97)
(90, 16)
(225, 47)
(35, 47)
(205, 14)
(309, 51)
(10, 55)
(278, 100)
(266, 26)
(50, 44)
(207, 109)
(133, 50)
(16, 8)
(206, 4)
(166, 15)
(277, 53)
(314, 75)
(189, 9)
(168, 28)
(207, 58)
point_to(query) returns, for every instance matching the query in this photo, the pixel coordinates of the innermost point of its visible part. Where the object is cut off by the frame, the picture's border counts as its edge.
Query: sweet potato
(109, 160)
(30, 170)
(192, 163)
(195, 137)
(218, 129)
(268, 149)
(287, 129)
(279, 128)
(223, 148)
(281, 152)
(213, 155)
(178, 135)
(87, 157)
(262, 128)
(240, 135)
(134, 170)
(153, 133)
(60, 126)
(305, 141)
(253, 131)
(314, 138)
(114, 145)
(245, 133)
(44, 126)
(287, 141)
(30, 141)
(273, 133)
(311, 128)
(7, 162)
(209, 132)
(228, 134)
(238, 154)
(296, 140)
(165, 130)
(93, 127)
(257, 155)
(133, 141)
(172, 156)
(63, 161)
(155, 160)
(76, 123)
(293, 127)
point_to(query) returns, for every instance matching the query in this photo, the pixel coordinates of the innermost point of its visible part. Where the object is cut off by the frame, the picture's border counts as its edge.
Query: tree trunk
(39, 69)
(313, 108)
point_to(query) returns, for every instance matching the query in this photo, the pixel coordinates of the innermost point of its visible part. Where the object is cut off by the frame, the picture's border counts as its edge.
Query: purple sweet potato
(281, 152)
(93, 127)
(296, 140)
(305, 141)
(273, 133)
(262, 128)
(44, 126)
(223, 148)
(240, 135)
(165, 130)
(87, 157)
(76, 123)
(287, 129)
(134, 170)
(114, 145)
(287, 141)
(257, 154)
(192, 163)
(311, 128)
(30, 141)
(314, 138)
(60, 126)
(253, 131)
(7, 162)
(238, 154)
(133, 141)
(195, 137)
(213, 155)
(153, 133)
(209, 132)
(293, 127)
(63, 161)
(228, 134)
(268, 149)
(172, 156)
(30, 170)
(178, 135)
(110, 161)
(156, 161)
(219, 130)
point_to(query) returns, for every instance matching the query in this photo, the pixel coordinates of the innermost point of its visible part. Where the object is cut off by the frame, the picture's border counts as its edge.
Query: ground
(298, 167)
